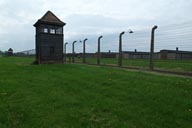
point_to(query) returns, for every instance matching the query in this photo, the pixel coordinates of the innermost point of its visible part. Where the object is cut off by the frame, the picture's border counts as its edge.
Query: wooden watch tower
(49, 39)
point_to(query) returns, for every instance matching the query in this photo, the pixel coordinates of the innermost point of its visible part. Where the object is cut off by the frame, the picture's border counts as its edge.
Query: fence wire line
(165, 37)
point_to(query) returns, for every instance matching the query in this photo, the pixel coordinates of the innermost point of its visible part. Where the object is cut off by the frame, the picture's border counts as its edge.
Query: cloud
(86, 18)
(99, 24)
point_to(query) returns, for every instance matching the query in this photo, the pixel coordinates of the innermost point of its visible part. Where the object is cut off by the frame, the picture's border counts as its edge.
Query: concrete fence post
(120, 49)
(98, 51)
(65, 54)
(73, 52)
(151, 66)
(84, 57)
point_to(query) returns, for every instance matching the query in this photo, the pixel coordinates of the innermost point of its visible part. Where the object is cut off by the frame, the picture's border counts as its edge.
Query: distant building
(109, 54)
(29, 52)
(175, 55)
(135, 55)
(163, 54)
(26, 53)
(10, 52)
(49, 39)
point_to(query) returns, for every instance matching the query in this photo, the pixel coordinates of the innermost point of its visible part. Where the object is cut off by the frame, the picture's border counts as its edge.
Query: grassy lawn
(172, 65)
(71, 95)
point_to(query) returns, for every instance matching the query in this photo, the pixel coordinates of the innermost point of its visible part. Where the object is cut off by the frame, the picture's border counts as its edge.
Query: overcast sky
(90, 18)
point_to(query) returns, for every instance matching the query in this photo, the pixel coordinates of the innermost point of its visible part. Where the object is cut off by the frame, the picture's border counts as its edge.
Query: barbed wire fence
(172, 46)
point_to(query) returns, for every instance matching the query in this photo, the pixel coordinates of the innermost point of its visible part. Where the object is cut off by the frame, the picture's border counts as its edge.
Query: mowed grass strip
(171, 65)
(71, 95)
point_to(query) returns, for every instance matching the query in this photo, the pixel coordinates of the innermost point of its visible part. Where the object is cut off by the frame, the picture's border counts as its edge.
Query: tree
(1, 52)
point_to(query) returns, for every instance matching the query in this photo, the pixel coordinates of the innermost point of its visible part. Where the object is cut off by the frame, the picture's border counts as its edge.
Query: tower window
(52, 31)
(45, 30)
(59, 31)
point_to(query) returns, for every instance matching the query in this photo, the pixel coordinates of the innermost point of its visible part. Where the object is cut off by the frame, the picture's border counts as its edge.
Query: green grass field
(172, 65)
(73, 96)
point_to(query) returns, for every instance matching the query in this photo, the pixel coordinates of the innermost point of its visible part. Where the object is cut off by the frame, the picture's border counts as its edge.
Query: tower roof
(49, 18)
(10, 50)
